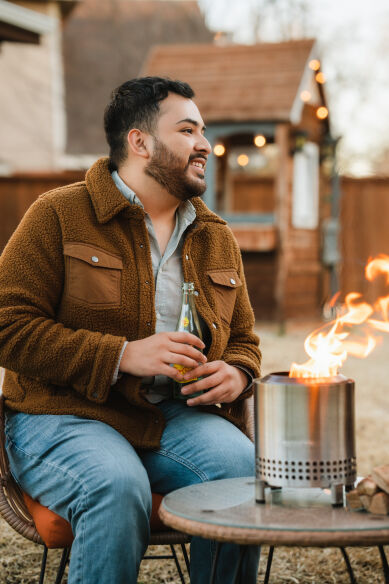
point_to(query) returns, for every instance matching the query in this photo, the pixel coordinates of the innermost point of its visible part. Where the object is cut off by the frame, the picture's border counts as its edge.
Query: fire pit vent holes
(296, 472)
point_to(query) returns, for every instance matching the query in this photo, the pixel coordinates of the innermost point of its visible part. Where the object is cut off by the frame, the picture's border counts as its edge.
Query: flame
(329, 346)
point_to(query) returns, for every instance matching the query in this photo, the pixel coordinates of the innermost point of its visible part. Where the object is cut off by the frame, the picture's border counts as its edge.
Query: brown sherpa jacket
(76, 281)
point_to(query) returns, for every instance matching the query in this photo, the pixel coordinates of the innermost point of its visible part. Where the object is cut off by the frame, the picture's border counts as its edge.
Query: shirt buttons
(232, 281)
(94, 259)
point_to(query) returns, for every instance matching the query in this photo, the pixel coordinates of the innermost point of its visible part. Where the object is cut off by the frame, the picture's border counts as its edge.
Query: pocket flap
(225, 278)
(93, 255)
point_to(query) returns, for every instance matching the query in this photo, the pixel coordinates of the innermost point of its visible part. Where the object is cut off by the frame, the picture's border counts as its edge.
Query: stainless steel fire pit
(304, 434)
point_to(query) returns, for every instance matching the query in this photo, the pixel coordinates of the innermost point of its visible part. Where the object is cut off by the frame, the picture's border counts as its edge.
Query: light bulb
(219, 150)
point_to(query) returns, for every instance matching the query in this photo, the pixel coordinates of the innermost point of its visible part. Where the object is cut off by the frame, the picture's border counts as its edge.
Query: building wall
(31, 101)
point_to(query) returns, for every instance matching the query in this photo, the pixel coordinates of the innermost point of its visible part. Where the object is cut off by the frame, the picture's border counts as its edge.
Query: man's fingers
(177, 359)
(187, 339)
(208, 398)
(209, 382)
(206, 369)
(189, 351)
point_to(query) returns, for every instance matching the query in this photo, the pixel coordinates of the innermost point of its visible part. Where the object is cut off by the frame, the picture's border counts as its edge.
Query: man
(90, 294)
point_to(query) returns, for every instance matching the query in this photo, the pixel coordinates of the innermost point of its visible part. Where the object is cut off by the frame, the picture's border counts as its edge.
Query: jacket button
(141, 245)
(94, 394)
(214, 325)
(232, 281)
(147, 282)
(156, 421)
(196, 293)
(148, 323)
(186, 257)
(95, 259)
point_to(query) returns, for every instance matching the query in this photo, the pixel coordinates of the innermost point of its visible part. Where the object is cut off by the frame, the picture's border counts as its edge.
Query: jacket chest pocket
(225, 284)
(93, 275)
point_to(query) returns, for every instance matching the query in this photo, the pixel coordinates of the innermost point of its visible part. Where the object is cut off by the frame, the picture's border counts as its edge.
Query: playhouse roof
(238, 82)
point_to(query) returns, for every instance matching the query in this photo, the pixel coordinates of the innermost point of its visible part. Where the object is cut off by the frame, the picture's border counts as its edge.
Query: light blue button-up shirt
(168, 278)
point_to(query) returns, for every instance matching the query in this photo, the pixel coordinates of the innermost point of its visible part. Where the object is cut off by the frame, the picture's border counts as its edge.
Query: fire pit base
(337, 493)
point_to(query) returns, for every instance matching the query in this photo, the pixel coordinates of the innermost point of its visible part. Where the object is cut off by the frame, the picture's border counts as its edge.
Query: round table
(226, 510)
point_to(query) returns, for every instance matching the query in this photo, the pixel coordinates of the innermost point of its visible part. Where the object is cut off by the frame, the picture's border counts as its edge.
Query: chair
(42, 526)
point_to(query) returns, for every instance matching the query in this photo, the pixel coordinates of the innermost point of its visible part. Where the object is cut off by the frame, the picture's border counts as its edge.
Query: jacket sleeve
(243, 345)
(32, 342)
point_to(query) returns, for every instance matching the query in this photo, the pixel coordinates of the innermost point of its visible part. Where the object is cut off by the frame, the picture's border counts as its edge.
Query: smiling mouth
(200, 164)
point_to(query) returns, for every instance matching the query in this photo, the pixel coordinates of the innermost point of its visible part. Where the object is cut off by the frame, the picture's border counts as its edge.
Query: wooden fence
(18, 192)
(364, 232)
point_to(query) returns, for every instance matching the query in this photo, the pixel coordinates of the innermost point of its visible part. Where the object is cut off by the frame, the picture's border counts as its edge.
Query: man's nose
(204, 145)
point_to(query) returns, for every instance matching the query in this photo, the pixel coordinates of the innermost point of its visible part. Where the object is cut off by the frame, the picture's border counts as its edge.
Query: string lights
(314, 64)
(243, 160)
(322, 113)
(219, 150)
(260, 141)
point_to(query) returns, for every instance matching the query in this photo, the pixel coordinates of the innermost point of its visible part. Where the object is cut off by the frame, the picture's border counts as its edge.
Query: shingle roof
(237, 82)
(105, 44)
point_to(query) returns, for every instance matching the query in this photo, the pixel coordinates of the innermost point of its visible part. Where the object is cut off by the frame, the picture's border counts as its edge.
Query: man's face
(179, 149)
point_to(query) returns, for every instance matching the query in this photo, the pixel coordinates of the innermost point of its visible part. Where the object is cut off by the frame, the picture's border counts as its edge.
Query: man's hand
(226, 381)
(154, 355)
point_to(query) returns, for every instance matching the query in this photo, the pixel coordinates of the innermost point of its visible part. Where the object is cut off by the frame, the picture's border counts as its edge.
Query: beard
(167, 169)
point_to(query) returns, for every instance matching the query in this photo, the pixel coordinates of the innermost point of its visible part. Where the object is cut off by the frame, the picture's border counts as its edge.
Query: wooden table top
(226, 510)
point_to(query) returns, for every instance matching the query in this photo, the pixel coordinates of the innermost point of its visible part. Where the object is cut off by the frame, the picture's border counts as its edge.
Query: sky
(353, 42)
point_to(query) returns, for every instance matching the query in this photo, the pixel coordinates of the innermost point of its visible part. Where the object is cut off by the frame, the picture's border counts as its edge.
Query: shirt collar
(186, 212)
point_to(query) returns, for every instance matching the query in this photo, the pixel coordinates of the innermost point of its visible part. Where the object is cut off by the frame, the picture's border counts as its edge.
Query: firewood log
(366, 500)
(379, 504)
(380, 476)
(354, 500)
(367, 487)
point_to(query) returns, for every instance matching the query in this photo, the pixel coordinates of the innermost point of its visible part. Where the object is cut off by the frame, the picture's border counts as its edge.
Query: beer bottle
(187, 322)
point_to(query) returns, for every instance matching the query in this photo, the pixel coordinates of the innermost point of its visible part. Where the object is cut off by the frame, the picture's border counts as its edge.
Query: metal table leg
(268, 565)
(348, 565)
(384, 561)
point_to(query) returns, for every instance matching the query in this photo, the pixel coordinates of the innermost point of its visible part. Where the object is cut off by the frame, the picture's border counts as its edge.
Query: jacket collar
(106, 198)
(108, 201)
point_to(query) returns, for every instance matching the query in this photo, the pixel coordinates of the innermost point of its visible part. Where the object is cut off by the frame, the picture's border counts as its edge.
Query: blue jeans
(88, 473)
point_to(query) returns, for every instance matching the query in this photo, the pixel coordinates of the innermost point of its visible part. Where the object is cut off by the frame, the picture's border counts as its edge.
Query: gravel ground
(20, 559)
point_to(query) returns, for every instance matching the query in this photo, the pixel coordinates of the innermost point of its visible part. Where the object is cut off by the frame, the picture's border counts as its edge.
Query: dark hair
(135, 104)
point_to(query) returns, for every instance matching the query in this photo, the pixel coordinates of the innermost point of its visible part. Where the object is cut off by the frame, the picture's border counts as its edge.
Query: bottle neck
(187, 292)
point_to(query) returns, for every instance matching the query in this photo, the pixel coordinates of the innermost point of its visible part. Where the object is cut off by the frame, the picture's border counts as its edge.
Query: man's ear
(138, 143)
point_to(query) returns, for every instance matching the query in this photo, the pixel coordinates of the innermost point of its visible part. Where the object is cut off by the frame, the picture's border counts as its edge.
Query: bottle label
(184, 370)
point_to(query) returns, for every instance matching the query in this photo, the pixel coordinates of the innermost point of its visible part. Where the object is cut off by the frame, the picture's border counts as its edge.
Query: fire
(329, 346)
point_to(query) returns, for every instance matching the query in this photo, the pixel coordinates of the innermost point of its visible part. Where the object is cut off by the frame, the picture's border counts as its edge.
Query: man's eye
(189, 130)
